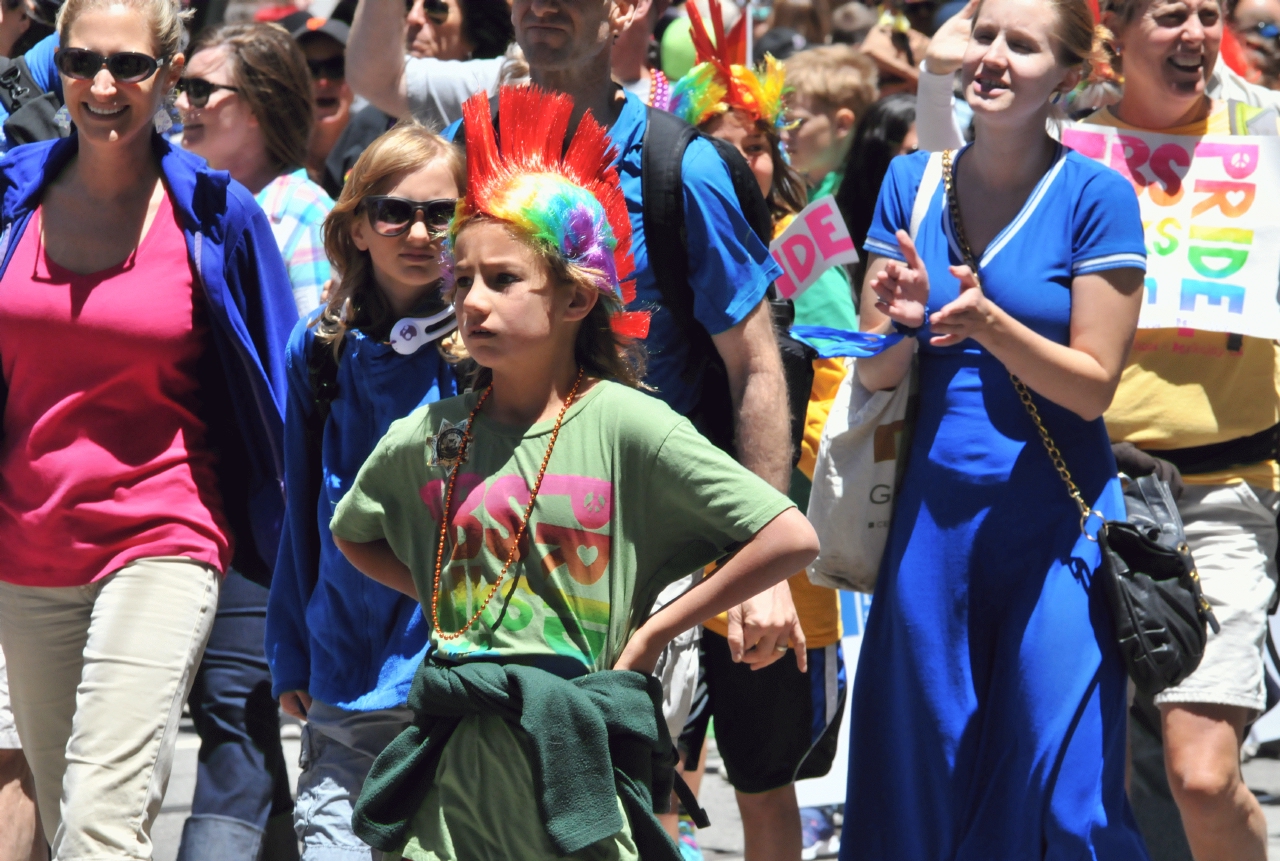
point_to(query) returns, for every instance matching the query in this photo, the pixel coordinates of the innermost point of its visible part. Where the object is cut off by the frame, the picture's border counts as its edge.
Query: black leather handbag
(1153, 589)
(1147, 573)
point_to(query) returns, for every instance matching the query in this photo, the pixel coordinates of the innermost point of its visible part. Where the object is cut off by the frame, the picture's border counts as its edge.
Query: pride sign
(816, 240)
(1213, 243)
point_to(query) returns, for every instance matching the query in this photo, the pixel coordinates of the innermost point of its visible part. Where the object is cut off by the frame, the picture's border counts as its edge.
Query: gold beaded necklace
(524, 525)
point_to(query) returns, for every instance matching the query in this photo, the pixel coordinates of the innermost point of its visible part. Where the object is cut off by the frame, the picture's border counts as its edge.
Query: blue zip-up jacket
(251, 313)
(347, 640)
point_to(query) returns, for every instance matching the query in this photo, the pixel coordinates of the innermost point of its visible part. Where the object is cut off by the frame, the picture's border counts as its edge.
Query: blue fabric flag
(834, 343)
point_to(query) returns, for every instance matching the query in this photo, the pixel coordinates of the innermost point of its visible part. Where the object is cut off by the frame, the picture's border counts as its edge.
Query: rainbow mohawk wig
(568, 202)
(722, 80)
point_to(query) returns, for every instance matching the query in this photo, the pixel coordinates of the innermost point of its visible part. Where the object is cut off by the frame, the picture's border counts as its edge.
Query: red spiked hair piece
(567, 200)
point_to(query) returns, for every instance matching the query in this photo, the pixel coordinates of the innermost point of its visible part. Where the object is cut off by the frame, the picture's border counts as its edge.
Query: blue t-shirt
(43, 71)
(1082, 217)
(729, 267)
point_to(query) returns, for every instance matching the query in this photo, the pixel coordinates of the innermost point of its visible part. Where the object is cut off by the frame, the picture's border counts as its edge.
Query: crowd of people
(443, 398)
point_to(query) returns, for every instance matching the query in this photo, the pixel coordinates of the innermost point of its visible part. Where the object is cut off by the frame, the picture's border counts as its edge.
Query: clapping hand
(967, 317)
(902, 290)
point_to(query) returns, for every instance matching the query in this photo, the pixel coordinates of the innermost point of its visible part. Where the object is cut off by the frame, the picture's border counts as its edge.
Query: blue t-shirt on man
(729, 267)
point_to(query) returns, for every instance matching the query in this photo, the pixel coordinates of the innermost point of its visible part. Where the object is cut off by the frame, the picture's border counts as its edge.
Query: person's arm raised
(375, 55)
(1081, 376)
(936, 127)
(784, 546)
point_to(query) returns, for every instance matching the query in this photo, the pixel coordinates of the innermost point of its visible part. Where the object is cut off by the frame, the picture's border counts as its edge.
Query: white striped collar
(1005, 236)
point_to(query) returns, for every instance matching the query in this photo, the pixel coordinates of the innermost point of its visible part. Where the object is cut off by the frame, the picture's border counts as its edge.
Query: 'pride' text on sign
(816, 240)
(1213, 243)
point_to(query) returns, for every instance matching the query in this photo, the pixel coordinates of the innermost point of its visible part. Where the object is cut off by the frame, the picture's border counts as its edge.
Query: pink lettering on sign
(1088, 144)
(801, 256)
(1238, 160)
(821, 223)
(786, 287)
(1128, 155)
(1164, 163)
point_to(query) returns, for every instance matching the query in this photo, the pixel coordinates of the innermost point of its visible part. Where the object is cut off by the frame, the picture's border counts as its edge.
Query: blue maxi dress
(988, 718)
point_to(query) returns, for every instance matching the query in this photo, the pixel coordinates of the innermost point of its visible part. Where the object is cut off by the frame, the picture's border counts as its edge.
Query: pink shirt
(104, 459)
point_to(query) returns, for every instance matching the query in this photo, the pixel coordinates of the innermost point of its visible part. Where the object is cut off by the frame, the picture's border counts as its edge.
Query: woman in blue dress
(989, 703)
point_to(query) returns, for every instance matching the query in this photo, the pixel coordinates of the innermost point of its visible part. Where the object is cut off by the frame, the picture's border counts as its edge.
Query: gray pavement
(1263, 775)
(721, 842)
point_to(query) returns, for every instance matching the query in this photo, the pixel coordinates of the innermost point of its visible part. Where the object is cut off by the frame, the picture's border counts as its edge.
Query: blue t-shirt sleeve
(729, 267)
(1107, 227)
(40, 62)
(893, 206)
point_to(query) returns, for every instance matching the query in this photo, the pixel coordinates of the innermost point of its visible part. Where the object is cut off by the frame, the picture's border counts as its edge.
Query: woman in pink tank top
(144, 309)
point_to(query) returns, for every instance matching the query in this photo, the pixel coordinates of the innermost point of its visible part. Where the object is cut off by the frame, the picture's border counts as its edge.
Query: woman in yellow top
(1207, 403)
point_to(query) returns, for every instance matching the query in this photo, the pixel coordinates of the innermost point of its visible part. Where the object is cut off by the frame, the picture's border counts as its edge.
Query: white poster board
(816, 240)
(1211, 213)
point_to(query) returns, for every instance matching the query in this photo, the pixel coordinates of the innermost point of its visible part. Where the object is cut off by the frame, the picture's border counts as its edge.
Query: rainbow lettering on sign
(1212, 261)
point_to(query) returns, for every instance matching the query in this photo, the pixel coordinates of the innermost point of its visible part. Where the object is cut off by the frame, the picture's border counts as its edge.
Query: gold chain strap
(1024, 394)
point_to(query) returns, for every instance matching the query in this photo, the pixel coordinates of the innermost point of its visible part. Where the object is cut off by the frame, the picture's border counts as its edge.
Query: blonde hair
(1083, 40)
(834, 77)
(355, 301)
(165, 16)
(599, 351)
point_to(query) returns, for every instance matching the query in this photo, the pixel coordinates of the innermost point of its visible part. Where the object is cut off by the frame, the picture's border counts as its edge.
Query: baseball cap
(334, 29)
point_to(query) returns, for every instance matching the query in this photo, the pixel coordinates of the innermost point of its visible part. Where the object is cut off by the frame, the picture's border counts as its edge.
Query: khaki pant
(98, 675)
(1231, 530)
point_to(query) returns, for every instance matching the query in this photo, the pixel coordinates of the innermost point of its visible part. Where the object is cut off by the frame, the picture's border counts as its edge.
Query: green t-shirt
(633, 499)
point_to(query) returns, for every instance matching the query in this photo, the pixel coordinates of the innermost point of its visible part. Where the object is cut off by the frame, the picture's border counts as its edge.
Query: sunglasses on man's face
(199, 90)
(1265, 29)
(332, 69)
(392, 216)
(437, 11)
(127, 67)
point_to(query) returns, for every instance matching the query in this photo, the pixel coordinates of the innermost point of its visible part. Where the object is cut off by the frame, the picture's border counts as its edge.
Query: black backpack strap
(754, 207)
(322, 373)
(666, 242)
(666, 138)
(31, 110)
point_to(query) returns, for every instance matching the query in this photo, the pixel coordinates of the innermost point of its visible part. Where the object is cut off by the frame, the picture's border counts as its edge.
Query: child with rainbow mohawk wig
(725, 98)
(537, 518)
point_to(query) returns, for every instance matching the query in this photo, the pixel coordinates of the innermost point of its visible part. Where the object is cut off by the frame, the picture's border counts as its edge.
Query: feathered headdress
(567, 201)
(722, 80)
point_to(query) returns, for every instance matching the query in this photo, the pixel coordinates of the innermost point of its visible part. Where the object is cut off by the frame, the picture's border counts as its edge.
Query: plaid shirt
(296, 208)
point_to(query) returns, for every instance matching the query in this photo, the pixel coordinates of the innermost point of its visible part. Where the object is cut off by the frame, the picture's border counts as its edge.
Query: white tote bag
(860, 460)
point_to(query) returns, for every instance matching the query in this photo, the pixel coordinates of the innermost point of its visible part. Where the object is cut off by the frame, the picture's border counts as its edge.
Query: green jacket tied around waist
(621, 750)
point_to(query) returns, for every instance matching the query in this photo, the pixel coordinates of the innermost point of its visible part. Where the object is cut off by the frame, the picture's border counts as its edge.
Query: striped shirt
(296, 208)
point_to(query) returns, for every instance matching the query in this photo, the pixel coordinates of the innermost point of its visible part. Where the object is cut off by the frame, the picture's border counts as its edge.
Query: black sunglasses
(199, 90)
(437, 11)
(332, 69)
(127, 67)
(391, 216)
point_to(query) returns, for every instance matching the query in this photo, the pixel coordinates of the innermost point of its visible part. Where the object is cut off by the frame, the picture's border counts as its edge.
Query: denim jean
(241, 780)
(338, 747)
